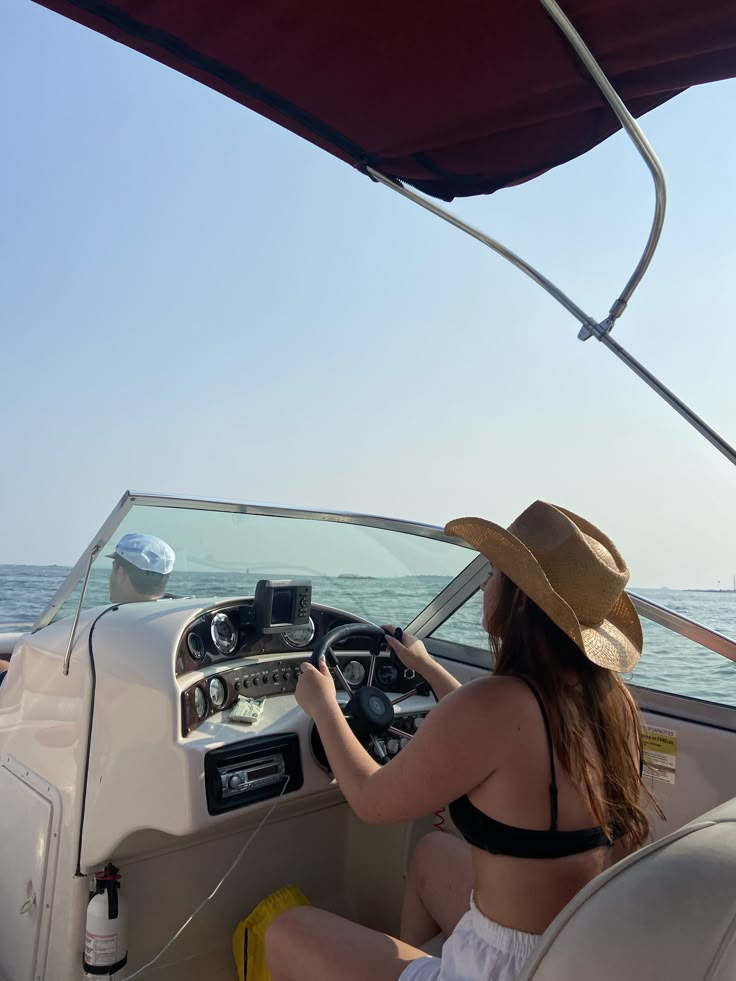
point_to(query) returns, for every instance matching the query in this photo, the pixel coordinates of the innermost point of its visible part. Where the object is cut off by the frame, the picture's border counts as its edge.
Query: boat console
(252, 652)
(167, 747)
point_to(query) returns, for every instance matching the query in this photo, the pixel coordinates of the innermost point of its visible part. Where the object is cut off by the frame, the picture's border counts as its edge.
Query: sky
(195, 301)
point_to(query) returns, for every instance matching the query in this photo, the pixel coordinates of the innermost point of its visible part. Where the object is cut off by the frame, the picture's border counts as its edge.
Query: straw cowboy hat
(572, 571)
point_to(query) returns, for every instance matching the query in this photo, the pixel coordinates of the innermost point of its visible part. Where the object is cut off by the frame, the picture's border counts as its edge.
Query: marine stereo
(252, 771)
(281, 603)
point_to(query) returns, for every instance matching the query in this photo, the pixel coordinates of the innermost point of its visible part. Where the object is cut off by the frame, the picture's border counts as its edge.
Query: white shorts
(477, 950)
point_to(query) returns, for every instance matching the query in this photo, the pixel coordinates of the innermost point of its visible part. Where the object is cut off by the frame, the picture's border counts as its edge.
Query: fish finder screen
(281, 606)
(281, 603)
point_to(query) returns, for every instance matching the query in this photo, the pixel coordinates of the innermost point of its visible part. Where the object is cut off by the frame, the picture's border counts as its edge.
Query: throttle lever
(393, 656)
(423, 687)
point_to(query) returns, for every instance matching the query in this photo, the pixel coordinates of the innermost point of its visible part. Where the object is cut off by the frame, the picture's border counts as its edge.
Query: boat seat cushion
(8, 642)
(666, 912)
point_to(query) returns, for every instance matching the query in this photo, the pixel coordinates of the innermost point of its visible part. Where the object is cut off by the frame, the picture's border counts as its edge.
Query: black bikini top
(502, 839)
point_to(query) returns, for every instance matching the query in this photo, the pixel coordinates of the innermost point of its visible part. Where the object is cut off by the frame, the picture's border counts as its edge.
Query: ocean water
(669, 663)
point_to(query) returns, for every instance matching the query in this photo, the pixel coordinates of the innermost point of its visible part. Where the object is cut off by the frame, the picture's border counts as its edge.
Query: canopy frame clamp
(590, 327)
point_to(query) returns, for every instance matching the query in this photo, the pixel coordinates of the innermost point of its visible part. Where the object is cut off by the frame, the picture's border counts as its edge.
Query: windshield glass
(386, 574)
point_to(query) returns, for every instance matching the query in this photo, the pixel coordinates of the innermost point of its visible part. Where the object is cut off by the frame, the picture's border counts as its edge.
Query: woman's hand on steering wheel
(409, 649)
(315, 688)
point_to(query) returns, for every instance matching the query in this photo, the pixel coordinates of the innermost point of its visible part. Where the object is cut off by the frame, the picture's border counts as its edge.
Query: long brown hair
(592, 714)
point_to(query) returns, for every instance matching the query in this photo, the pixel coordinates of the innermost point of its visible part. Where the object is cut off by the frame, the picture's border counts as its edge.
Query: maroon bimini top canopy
(453, 98)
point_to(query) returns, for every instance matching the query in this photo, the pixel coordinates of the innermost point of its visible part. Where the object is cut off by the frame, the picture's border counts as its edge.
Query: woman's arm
(414, 655)
(452, 752)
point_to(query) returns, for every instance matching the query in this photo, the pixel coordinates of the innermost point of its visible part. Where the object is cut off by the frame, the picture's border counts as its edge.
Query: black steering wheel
(370, 711)
(334, 636)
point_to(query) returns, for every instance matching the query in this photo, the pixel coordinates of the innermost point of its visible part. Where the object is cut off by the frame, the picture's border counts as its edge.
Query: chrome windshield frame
(131, 498)
(78, 570)
(454, 595)
(685, 627)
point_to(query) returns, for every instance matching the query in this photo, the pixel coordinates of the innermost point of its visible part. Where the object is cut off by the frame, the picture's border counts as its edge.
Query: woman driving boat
(541, 760)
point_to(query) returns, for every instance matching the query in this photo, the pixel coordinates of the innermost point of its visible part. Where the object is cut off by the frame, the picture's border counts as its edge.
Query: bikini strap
(553, 783)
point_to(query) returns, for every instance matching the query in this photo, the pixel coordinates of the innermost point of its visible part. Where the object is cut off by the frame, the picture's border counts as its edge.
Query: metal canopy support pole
(637, 137)
(589, 326)
(492, 243)
(677, 404)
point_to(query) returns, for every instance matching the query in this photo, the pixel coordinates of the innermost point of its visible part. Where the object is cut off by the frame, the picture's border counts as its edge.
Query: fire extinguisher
(106, 933)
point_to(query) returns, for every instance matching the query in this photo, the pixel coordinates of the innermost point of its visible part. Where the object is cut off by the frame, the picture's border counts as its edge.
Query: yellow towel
(248, 946)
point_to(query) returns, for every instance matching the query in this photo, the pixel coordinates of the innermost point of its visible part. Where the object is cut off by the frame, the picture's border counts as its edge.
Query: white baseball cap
(146, 552)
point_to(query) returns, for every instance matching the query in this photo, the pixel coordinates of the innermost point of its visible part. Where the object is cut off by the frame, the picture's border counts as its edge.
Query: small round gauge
(301, 635)
(195, 646)
(387, 674)
(224, 633)
(218, 693)
(200, 703)
(354, 673)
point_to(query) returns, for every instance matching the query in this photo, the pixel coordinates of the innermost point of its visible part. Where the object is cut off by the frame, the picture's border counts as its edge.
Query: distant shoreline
(58, 569)
(673, 589)
(710, 590)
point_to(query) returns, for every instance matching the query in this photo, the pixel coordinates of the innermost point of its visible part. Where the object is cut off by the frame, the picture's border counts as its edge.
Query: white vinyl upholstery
(8, 641)
(665, 913)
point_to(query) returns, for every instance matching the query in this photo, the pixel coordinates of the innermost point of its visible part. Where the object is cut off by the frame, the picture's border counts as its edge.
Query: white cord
(204, 902)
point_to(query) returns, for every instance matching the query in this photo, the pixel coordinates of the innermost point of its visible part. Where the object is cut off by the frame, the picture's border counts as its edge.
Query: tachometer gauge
(224, 633)
(218, 693)
(354, 673)
(301, 635)
(387, 674)
(200, 703)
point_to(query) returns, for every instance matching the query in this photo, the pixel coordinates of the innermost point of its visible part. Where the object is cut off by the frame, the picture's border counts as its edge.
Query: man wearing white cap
(141, 565)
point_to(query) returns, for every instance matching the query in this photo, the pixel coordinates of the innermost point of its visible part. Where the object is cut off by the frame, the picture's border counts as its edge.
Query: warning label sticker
(660, 753)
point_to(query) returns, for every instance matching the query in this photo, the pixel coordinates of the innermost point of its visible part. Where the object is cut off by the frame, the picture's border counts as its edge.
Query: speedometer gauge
(300, 635)
(354, 673)
(224, 633)
(218, 693)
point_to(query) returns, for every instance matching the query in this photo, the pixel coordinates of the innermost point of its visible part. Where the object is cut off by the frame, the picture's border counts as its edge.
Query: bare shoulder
(501, 688)
(492, 700)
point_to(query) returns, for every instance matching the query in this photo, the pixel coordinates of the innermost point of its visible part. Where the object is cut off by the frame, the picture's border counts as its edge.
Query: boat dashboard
(250, 664)
(230, 669)
(150, 718)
